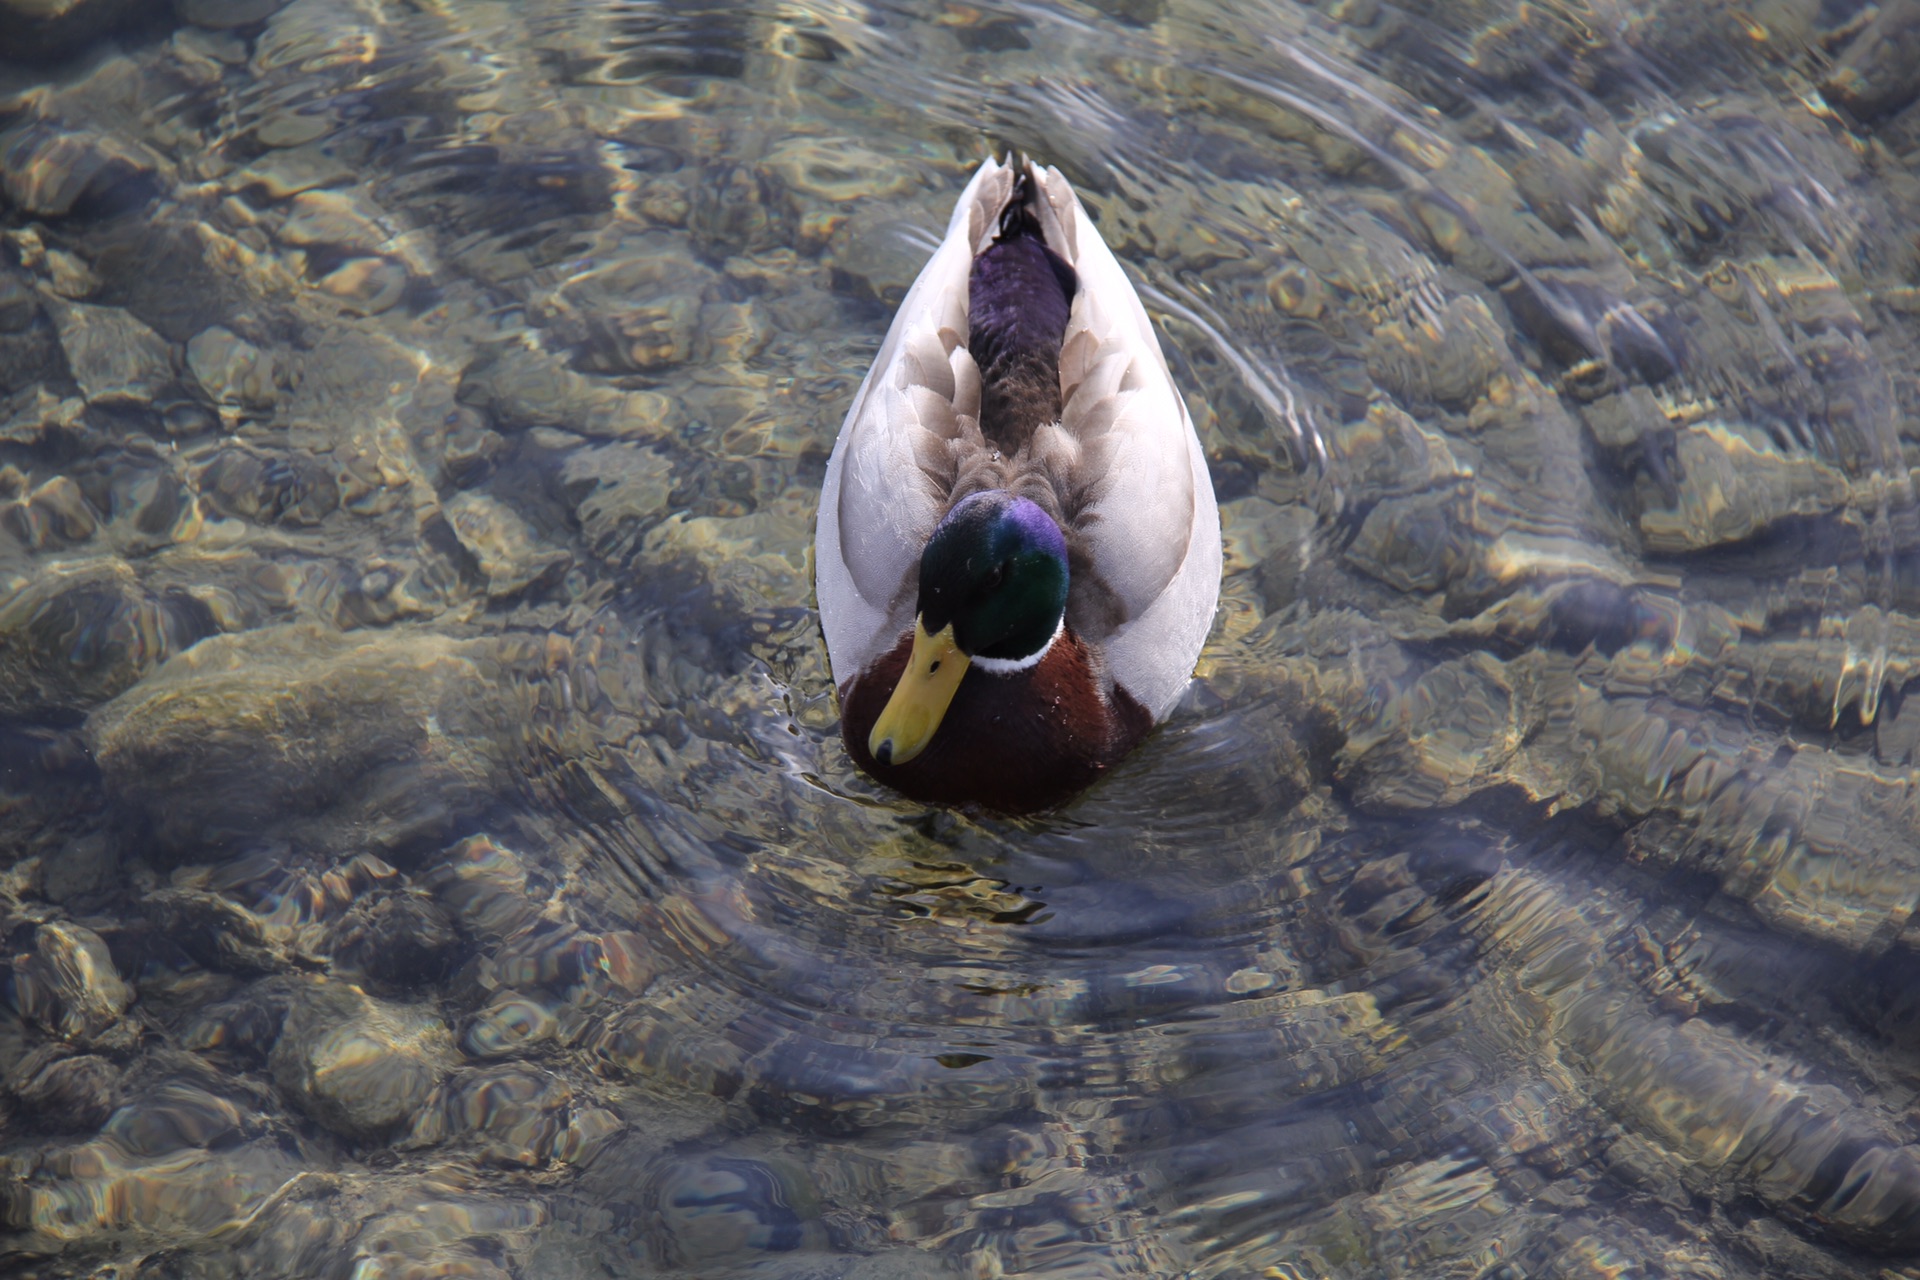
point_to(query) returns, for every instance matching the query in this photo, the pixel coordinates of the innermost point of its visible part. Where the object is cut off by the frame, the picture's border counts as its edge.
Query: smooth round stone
(358, 1065)
(521, 1117)
(183, 418)
(718, 1207)
(484, 884)
(295, 128)
(509, 1026)
(332, 218)
(216, 932)
(366, 286)
(258, 730)
(231, 369)
(175, 1117)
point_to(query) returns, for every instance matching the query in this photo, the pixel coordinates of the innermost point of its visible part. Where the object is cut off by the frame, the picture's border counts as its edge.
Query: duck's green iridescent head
(996, 571)
(993, 594)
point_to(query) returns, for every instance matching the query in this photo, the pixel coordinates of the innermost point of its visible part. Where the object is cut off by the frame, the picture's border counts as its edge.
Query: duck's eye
(995, 576)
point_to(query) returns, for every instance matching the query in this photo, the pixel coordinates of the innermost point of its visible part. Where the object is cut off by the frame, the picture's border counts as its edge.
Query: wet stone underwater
(426, 849)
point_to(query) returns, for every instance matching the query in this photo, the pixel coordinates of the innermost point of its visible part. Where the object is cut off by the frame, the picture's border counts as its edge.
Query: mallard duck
(1018, 552)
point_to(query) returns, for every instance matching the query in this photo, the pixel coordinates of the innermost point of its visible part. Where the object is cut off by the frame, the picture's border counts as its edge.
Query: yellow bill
(921, 698)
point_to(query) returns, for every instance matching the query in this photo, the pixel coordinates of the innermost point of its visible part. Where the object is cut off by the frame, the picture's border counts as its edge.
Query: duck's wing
(1152, 655)
(1131, 473)
(892, 471)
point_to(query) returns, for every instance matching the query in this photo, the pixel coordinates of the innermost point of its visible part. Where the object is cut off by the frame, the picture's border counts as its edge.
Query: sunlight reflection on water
(429, 845)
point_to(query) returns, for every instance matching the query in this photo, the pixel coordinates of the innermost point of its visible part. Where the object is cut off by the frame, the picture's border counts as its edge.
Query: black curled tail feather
(1017, 218)
(1020, 293)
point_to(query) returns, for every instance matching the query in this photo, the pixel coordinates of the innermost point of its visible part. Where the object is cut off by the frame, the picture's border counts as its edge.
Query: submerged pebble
(510, 1025)
(525, 387)
(1878, 72)
(738, 209)
(269, 487)
(67, 983)
(55, 513)
(70, 1092)
(516, 1117)
(366, 286)
(484, 884)
(471, 447)
(501, 542)
(718, 1209)
(358, 1065)
(232, 371)
(266, 728)
(217, 932)
(399, 941)
(77, 634)
(431, 854)
(114, 357)
(50, 169)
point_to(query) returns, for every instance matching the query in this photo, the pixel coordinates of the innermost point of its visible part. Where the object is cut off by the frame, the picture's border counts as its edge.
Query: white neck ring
(1007, 666)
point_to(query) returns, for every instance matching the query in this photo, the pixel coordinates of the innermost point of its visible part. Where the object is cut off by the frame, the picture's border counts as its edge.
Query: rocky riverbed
(425, 843)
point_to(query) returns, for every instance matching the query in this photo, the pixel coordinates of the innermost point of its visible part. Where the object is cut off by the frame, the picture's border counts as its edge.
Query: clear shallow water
(429, 847)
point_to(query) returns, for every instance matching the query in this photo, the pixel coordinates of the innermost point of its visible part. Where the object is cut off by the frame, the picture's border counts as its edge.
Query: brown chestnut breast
(1018, 742)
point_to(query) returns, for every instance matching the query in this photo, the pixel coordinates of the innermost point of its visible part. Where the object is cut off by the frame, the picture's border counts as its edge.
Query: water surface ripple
(427, 845)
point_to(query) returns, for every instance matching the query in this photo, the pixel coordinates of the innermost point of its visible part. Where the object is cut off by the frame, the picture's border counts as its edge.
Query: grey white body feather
(1122, 471)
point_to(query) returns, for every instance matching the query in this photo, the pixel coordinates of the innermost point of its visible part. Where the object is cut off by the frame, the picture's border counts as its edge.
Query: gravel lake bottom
(427, 850)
